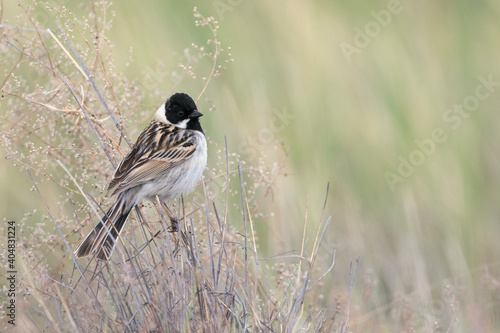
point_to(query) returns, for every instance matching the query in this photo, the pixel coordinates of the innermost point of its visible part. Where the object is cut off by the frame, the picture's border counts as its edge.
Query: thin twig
(210, 240)
(352, 277)
(61, 235)
(214, 61)
(299, 301)
(245, 229)
(74, 95)
(103, 101)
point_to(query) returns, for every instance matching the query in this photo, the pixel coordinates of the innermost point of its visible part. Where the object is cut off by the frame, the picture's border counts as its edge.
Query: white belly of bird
(181, 179)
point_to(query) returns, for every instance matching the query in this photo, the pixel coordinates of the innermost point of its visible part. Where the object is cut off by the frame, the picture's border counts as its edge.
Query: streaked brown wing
(158, 149)
(125, 166)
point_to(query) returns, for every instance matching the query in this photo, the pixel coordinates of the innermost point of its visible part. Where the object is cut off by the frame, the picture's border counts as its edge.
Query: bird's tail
(102, 239)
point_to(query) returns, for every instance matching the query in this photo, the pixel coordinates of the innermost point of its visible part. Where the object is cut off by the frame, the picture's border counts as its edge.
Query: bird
(166, 161)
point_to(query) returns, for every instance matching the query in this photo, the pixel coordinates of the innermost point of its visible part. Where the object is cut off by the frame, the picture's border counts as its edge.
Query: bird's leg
(174, 220)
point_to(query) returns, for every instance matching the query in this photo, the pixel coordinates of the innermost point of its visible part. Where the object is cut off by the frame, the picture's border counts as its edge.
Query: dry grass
(68, 127)
(250, 246)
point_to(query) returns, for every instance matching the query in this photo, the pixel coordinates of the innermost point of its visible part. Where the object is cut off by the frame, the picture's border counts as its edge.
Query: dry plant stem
(184, 213)
(214, 62)
(299, 301)
(98, 59)
(326, 272)
(75, 213)
(41, 300)
(76, 112)
(81, 190)
(92, 206)
(23, 116)
(207, 214)
(227, 181)
(269, 188)
(61, 234)
(169, 244)
(324, 204)
(452, 321)
(83, 69)
(344, 326)
(142, 280)
(74, 95)
(222, 248)
(245, 230)
(91, 156)
(103, 101)
(67, 53)
(143, 225)
(44, 174)
(66, 307)
(322, 212)
(174, 220)
(110, 138)
(303, 237)
(12, 27)
(7, 77)
(256, 268)
(39, 35)
(224, 224)
(54, 152)
(193, 240)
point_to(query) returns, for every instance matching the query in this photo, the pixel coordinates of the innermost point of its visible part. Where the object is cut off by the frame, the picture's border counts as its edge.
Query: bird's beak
(195, 114)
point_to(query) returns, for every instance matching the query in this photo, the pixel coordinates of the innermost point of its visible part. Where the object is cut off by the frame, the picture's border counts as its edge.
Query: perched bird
(167, 161)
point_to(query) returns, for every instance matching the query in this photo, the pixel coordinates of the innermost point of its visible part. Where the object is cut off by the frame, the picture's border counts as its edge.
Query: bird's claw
(174, 227)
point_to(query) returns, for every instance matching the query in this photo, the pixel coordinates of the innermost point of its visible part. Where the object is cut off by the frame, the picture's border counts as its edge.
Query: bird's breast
(182, 178)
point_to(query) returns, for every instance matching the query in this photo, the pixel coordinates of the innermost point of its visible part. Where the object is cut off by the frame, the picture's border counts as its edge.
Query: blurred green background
(349, 87)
